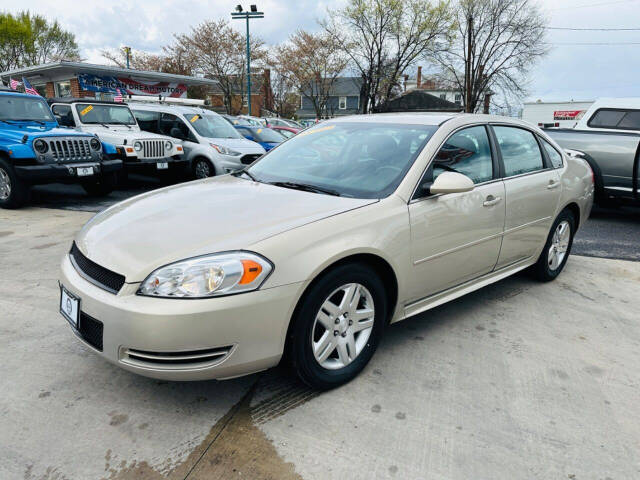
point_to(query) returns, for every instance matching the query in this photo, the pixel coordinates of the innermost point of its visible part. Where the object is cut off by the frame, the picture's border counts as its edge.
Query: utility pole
(239, 14)
(127, 50)
(468, 67)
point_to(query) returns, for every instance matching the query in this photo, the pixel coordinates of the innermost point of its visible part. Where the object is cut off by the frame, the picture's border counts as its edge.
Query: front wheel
(338, 326)
(556, 251)
(13, 192)
(202, 168)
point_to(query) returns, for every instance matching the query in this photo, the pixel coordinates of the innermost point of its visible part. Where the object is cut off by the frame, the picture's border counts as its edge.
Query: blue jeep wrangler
(35, 150)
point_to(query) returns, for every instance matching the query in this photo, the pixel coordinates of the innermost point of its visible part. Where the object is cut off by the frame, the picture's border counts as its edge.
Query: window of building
(458, 98)
(443, 96)
(342, 103)
(63, 89)
(41, 89)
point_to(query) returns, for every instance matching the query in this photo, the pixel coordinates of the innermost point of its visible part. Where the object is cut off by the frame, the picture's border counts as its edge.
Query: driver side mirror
(451, 182)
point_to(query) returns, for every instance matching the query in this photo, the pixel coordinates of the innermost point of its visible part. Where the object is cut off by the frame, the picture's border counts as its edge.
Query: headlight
(95, 144)
(137, 146)
(40, 146)
(208, 276)
(224, 150)
(168, 145)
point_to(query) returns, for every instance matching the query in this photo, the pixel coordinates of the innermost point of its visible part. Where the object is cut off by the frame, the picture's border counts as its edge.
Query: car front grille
(152, 149)
(94, 273)
(175, 360)
(91, 330)
(249, 159)
(64, 150)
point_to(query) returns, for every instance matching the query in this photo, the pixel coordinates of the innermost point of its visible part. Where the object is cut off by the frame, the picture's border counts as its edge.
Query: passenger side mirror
(451, 182)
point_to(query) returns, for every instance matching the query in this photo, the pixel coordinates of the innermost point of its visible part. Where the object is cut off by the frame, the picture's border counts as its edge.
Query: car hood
(33, 131)
(117, 133)
(218, 214)
(241, 145)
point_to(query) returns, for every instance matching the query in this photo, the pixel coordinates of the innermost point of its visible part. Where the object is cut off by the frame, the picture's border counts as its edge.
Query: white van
(211, 143)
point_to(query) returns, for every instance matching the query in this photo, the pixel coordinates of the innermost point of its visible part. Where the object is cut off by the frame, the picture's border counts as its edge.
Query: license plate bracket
(84, 171)
(162, 165)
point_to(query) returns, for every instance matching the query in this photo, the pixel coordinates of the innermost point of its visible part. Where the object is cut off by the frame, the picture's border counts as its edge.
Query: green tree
(27, 39)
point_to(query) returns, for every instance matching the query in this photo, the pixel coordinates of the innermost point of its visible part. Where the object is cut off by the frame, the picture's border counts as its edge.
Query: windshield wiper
(246, 172)
(306, 188)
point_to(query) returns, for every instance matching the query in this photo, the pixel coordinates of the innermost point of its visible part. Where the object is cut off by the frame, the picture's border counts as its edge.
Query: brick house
(261, 95)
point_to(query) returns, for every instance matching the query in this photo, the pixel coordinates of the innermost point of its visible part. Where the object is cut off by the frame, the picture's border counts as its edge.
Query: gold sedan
(312, 250)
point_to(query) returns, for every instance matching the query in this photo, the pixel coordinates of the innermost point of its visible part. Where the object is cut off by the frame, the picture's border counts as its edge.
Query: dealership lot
(518, 380)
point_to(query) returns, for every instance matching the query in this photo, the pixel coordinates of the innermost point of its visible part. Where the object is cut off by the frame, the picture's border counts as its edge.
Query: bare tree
(219, 51)
(383, 38)
(497, 42)
(310, 63)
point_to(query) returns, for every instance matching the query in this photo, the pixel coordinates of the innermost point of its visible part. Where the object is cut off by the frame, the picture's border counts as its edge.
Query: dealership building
(86, 80)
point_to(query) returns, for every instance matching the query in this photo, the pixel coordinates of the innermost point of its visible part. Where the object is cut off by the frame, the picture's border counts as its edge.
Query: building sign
(108, 84)
(568, 114)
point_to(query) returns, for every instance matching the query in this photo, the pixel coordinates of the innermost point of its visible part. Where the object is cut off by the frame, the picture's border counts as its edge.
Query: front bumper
(249, 329)
(64, 172)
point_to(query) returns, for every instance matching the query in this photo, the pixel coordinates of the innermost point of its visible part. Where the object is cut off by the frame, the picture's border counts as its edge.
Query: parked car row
(171, 140)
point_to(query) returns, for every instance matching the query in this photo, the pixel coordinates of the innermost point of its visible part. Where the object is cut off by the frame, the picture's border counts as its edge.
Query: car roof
(8, 91)
(425, 118)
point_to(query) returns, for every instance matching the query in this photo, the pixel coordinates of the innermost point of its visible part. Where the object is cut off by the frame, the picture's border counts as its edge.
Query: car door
(456, 237)
(532, 192)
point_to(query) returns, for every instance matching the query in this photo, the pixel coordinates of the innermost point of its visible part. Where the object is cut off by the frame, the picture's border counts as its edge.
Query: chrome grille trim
(152, 149)
(175, 360)
(68, 149)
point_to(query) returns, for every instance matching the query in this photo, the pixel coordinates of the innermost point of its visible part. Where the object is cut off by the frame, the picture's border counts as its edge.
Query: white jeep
(115, 124)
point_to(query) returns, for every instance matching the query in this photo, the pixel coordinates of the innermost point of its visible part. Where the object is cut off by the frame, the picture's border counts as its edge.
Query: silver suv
(211, 144)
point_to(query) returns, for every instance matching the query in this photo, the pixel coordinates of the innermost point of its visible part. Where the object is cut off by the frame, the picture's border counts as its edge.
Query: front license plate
(162, 165)
(69, 307)
(84, 171)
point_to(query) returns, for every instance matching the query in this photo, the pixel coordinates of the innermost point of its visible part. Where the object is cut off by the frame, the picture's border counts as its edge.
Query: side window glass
(631, 121)
(468, 152)
(520, 150)
(554, 155)
(147, 121)
(64, 115)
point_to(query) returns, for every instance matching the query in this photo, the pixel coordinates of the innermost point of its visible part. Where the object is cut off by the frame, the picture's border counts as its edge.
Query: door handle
(553, 184)
(491, 201)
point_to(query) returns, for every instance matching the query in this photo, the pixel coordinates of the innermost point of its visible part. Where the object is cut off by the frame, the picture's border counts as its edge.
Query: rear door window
(520, 150)
(554, 156)
(615, 118)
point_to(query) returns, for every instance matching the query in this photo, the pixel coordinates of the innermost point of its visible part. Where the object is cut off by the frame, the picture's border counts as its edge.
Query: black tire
(18, 190)
(203, 168)
(299, 346)
(542, 270)
(104, 185)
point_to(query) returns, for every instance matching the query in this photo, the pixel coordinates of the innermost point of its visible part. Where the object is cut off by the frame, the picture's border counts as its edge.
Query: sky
(578, 72)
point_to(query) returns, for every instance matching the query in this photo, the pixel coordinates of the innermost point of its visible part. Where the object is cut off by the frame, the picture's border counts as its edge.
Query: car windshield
(362, 160)
(211, 126)
(96, 113)
(266, 135)
(18, 108)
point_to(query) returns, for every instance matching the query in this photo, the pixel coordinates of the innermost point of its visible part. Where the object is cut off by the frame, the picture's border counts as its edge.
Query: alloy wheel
(203, 170)
(342, 326)
(5, 184)
(559, 245)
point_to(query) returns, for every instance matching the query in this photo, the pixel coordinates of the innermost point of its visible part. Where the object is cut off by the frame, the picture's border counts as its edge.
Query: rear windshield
(616, 118)
(105, 114)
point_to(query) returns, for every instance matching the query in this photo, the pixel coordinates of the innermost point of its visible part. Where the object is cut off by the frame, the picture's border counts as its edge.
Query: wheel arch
(574, 208)
(201, 156)
(381, 266)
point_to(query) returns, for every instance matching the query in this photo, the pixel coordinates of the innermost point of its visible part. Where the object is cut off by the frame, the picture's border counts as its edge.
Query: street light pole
(239, 14)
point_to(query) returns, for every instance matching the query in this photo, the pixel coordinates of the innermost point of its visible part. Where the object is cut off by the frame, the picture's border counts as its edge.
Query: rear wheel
(338, 326)
(102, 186)
(13, 192)
(556, 251)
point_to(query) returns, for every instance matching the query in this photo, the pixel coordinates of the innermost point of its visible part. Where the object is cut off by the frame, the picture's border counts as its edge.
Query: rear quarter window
(554, 155)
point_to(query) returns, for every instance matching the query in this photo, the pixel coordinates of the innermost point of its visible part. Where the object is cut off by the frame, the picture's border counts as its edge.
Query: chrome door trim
(525, 225)
(458, 248)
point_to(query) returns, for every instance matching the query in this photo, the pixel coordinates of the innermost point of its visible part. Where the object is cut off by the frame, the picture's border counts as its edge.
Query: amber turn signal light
(251, 271)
